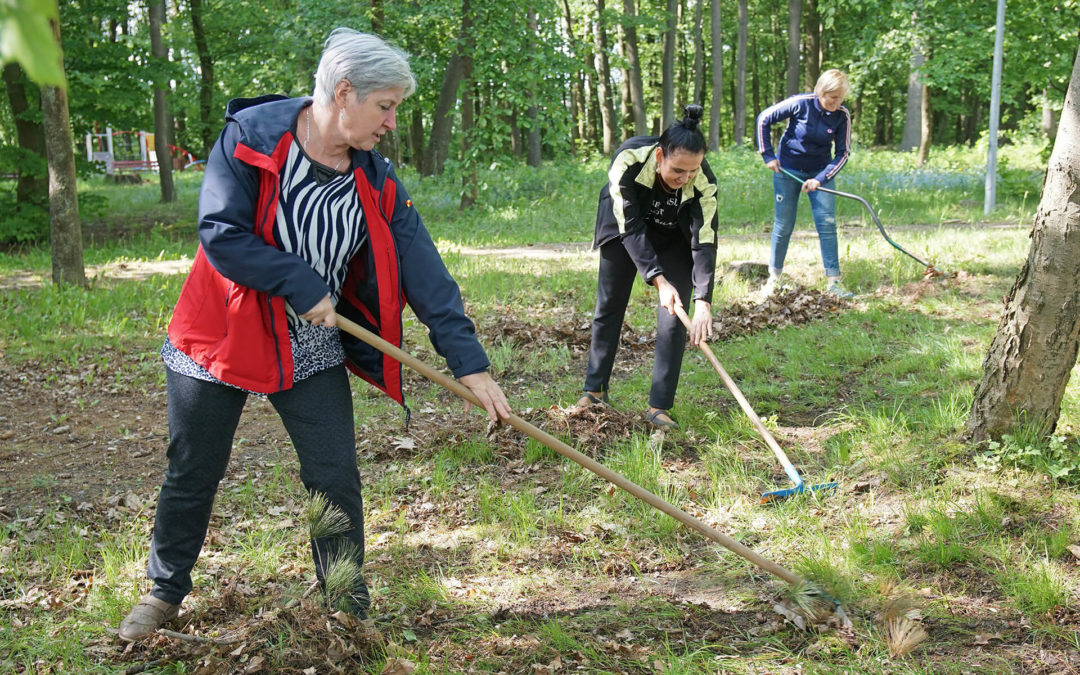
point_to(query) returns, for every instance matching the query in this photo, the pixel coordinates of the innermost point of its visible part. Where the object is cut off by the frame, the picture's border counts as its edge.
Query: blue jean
(823, 205)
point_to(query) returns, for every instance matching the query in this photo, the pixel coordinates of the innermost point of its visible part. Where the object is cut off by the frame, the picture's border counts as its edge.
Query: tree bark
(1034, 350)
(637, 91)
(699, 54)
(577, 112)
(717, 76)
(469, 178)
(32, 187)
(1049, 116)
(206, 78)
(442, 124)
(740, 75)
(161, 102)
(926, 124)
(65, 230)
(794, 30)
(667, 115)
(532, 137)
(603, 80)
(912, 135)
(813, 43)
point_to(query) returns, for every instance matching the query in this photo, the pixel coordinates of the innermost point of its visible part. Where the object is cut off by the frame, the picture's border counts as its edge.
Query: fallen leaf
(1074, 549)
(396, 666)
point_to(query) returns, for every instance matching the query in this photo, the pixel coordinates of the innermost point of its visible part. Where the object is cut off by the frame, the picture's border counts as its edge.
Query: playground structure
(132, 151)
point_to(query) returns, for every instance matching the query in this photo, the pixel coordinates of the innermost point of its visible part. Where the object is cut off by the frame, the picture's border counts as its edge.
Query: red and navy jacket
(231, 318)
(812, 131)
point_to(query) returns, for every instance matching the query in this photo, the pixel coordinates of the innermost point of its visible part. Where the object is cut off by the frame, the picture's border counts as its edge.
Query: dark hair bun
(694, 113)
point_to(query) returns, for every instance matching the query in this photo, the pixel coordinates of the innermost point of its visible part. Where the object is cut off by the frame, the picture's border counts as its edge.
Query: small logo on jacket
(829, 130)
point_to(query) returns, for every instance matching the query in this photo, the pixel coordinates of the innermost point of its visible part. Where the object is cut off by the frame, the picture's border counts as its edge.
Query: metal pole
(995, 112)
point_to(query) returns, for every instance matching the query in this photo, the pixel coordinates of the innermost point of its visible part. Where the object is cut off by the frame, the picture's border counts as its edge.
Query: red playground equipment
(133, 151)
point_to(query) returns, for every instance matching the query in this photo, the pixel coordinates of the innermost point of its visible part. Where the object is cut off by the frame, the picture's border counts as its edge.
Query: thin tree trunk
(667, 85)
(1034, 350)
(1049, 116)
(469, 179)
(603, 80)
(699, 54)
(637, 92)
(926, 125)
(794, 31)
(442, 124)
(161, 103)
(740, 75)
(577, 114)
(206, 78)
(533, 146)
(813, 43)
(32, 187)
(717, 76)
(65, 230)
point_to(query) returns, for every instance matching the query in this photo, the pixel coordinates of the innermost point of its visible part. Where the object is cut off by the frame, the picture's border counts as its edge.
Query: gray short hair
(366, 61)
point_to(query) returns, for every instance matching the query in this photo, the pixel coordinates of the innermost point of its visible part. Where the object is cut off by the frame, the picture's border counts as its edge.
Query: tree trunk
(469, 178)
(416, 138)
(1034, 350)
(699, 54)
(740, 75)
(794, 31)
(637, 91)
(442, 124)
(926, 126)
(603, 80)
(206, 78)
(577, 113)
(813, 43)
(717, 75)
(532, 136)
(912, 137)
(1049, 116)
(162, 125)
(32, 187)
(667, 115)
(65, 231)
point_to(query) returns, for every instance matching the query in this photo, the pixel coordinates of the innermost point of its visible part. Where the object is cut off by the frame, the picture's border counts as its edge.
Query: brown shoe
(146, 617)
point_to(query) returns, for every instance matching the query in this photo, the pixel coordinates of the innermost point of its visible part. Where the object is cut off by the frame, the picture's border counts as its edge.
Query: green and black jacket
(624, 201)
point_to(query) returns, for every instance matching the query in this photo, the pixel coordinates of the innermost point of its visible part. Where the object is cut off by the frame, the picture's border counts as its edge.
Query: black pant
(317, 413)
(616, 279)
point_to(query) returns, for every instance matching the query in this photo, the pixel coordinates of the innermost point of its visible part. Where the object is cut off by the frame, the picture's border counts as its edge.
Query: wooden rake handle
(789, 468)
(565, 450)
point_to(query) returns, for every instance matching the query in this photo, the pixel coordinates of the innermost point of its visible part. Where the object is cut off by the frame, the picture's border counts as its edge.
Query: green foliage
(1056, 456)
(28, 39)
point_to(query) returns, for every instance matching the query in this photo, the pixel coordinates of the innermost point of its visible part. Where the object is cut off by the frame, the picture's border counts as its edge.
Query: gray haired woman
(300, 220)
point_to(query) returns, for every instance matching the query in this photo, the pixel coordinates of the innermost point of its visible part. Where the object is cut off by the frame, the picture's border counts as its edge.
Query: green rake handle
(873, 215)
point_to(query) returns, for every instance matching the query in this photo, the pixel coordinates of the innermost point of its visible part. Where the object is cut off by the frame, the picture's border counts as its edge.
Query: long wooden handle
(789, 468)
(565, 450)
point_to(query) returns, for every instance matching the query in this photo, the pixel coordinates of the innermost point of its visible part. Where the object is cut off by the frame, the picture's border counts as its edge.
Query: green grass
(493, 553)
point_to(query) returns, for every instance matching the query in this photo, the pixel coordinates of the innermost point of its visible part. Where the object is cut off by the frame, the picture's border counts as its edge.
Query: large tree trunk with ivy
(442, 120)
(32, 187)
(740, 75)
(717, 76)
(1034, 350)
(162, 126)
(667, 85)
(926, 126)
(65, 231)
(793, 49)
(633, 63)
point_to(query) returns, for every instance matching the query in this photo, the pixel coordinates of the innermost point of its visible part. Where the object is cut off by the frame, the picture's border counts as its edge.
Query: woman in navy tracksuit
(299, 220)
(656, 217)
(817, 123)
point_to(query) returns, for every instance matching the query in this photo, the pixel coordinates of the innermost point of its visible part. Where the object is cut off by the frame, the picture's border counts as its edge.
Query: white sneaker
(834, 288)
(771, 286)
